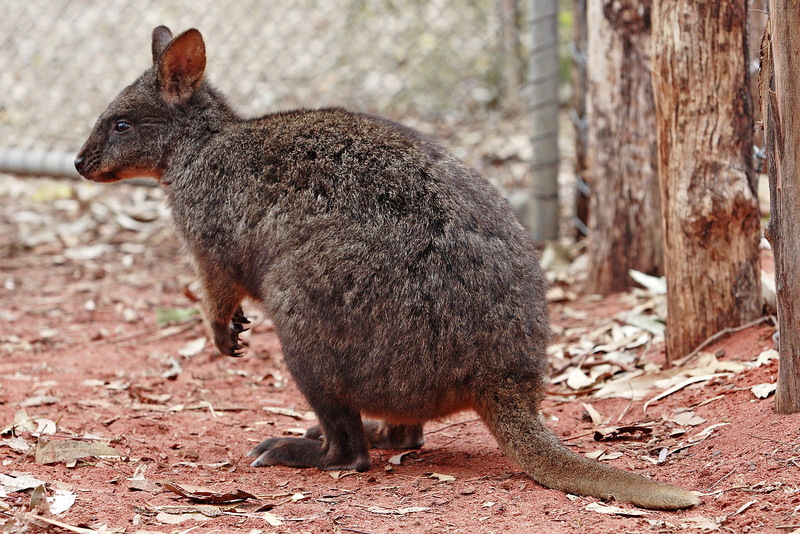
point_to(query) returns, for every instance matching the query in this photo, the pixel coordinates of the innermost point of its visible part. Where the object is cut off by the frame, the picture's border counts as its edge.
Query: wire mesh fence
(448, 67)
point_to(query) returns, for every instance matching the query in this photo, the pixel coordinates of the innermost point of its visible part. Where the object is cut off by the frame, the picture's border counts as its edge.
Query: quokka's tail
(513, 418)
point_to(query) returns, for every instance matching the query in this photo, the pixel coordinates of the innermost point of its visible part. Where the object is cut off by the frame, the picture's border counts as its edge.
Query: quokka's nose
(80, 163)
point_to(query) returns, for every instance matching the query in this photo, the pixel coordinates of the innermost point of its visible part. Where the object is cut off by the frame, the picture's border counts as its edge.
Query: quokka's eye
(122, 126)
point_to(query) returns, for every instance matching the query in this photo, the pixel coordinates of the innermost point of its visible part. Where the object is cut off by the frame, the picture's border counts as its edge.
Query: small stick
(721, 479)
(590, 433)
(33, 517)
(722, 333)
(165, 332)
(453, 424)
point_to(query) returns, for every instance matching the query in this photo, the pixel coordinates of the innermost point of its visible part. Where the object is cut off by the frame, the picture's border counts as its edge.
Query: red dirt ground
(85, 332)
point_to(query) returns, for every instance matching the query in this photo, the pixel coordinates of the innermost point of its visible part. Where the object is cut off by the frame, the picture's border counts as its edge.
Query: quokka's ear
(161, 38)
(181, 65)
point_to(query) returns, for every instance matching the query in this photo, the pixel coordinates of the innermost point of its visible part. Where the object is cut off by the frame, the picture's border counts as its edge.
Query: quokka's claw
(240, 318)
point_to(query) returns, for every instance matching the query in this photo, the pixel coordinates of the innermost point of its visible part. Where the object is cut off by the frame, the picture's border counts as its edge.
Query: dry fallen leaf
(762, 391)
(44, 427)
(577, 379)
(174, 369)
(593, 414)
(271, 519)
(700, 523)
(207, 495)
(633, 385)
(687, 418)
(744, 507)
(175, 519)
(17, 482)
(66, 450)
(88, 252)
(560, 294)
(22, 423)
(681, 385)
(193, 348)
(609, 456)
(59, 502)
(703, 434)
(767, 356)
(30, 516)
(656, 285)
(138, 482)
(396, 511)
(647, 323)
(442, 478)
(336, 475)
(307, 416)
(397, 459)
(208, 510)
(614, 510)
(629, 432)
(39, 400)
(17, 444)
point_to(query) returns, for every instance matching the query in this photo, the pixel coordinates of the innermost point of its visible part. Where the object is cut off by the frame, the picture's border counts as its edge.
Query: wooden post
(708, 187)
(780, 102)
(579, 82)
(512, 65)
(625, 206)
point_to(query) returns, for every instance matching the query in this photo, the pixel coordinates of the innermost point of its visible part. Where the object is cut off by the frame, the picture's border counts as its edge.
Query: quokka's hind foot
(382, 435)
(302, 452)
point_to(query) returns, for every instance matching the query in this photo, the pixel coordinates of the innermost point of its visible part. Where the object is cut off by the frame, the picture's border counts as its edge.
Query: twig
(127, 337)
(628, 407)
(590, 433)
(768, 439)
(715, 337)
(680, 386)
(709, 401)
(33, 517)
(164, 333)
(453, 424)
(721, 479)
(348, 529)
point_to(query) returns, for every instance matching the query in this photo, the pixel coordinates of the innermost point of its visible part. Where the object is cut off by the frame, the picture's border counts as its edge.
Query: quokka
(400, 282)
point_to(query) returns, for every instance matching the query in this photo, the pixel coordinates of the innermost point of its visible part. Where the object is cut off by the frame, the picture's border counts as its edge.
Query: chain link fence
(449, 67)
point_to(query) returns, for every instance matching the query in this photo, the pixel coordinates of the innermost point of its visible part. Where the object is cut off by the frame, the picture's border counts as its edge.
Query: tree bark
(512, 64)
(708, 187)
(625, 208)
(780, 104)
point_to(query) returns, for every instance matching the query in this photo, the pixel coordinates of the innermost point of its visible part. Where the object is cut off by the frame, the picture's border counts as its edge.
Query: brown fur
(399, 281)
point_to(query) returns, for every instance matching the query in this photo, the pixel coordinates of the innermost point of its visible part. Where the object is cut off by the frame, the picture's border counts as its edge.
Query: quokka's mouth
(102, 177)
(107, 177)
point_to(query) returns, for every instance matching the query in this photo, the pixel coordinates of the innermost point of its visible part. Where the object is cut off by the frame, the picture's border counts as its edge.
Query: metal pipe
(540, 213)
(37, 162)
(51, 163)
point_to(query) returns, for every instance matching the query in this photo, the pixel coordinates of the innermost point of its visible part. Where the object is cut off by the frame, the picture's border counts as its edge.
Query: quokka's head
(134, 135)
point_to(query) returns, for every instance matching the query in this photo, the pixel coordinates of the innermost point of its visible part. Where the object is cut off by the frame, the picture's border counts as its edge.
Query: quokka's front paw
(226, 337)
